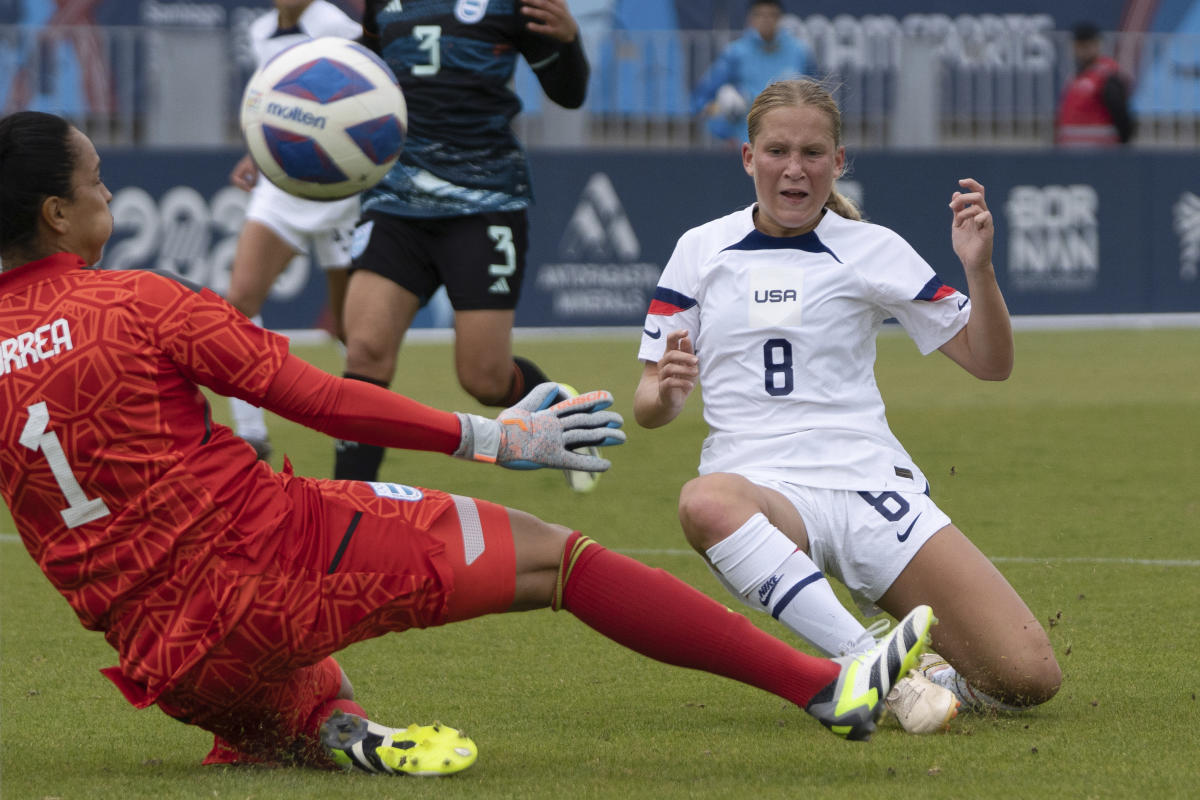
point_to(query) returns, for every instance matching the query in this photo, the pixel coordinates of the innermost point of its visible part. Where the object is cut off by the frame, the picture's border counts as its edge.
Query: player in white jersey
(774, 310)
(280, 226)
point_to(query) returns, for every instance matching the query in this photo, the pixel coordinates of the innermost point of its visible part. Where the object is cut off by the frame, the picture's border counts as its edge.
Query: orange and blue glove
(544, 431)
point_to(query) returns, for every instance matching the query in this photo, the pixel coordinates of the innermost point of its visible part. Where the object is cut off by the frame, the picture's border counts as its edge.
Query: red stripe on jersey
(661, 309)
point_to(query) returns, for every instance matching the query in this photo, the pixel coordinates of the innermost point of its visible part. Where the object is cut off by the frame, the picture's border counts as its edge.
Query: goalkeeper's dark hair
(804, 92)
(36, 162)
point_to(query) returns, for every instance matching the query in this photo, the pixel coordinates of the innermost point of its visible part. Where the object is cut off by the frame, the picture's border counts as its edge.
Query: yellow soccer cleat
(427, 751)
(850, 705)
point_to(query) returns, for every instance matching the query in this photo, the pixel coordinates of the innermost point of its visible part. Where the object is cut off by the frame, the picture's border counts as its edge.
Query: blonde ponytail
(843, 206)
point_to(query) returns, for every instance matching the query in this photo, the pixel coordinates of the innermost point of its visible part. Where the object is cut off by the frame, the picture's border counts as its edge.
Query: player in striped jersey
(452, 211)
(774, 310)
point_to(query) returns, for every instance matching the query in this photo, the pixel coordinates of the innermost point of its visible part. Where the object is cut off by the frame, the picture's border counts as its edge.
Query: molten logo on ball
(324, 119)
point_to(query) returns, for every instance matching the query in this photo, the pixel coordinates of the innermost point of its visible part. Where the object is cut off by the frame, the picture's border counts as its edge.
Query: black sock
(353, 461)
(526, 375)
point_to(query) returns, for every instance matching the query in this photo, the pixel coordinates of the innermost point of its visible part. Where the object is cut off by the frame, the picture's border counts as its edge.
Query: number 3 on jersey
(429, 39)
(79, 508)
(777, 367)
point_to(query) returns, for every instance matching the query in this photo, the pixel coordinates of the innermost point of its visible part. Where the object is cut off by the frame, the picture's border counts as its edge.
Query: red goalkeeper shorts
(358, 560)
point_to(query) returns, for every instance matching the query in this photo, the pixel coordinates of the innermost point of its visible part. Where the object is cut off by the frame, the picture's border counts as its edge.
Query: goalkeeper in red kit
(226, 587)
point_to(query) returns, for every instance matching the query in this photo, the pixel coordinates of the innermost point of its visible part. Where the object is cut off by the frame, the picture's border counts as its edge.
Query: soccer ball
(324, 119)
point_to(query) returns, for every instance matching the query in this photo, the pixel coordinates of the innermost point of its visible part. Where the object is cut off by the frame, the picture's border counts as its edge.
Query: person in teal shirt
(764, 53)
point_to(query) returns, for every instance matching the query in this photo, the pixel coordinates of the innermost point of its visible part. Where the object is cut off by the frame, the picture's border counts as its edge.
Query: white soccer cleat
(931, 663)
(920, 705)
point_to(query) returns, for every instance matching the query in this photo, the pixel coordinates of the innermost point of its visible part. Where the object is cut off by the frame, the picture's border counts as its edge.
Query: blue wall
(1077, 233)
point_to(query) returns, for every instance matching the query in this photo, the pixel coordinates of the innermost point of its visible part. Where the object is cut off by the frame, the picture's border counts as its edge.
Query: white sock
(970, 697)
(248, 420)
(761, 565)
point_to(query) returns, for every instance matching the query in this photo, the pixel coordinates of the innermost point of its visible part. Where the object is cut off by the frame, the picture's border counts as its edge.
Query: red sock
(656, 614)
(326, 709)
(516, 389)
(311, 751)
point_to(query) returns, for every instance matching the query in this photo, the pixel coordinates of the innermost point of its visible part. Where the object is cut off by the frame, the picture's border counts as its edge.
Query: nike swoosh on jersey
(963, 303)
(904, 536)
(653, 334)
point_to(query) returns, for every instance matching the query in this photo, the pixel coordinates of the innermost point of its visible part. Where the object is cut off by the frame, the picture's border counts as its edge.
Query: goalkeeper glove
(539, 432)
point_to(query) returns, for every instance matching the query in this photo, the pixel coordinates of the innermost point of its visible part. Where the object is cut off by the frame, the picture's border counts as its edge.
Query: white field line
(12, 538)
(1027, 322)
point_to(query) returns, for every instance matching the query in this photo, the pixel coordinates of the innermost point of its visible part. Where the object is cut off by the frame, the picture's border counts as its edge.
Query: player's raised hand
(678, 369)
(244, 174)
(539, 432)
(550, 18)
(972, 229)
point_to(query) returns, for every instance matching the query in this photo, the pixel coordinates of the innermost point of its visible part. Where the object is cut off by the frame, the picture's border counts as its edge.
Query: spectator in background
(1094, 108)
(764, 53)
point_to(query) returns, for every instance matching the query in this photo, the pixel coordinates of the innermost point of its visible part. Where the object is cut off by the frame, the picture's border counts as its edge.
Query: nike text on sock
(766, 569)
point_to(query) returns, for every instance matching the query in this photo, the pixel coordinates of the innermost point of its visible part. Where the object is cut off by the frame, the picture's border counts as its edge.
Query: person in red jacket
(1094, 108)
(226, 587)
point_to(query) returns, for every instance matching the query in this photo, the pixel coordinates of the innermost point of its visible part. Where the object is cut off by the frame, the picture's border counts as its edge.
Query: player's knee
(538, 550)
(367, 356)
(549, 542)
(489, 385)
(1028, 681)
(537, 545)
(703, 513)
(1040, 682)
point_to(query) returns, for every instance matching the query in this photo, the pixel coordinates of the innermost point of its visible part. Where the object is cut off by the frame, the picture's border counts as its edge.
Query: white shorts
(864, 539)
(325, 227)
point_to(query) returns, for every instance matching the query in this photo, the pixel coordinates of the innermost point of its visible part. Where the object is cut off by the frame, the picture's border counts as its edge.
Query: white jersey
(321, 18)
(296, 219)
(785, 329)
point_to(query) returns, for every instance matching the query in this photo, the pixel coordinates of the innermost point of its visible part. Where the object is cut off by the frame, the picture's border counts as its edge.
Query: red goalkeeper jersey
(152, 521)
(110, 462)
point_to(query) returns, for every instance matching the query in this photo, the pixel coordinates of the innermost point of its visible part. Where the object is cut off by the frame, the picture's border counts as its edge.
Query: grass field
(1078, 476)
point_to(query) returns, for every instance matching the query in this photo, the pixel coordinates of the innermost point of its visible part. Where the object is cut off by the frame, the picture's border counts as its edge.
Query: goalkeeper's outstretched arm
(540, 431)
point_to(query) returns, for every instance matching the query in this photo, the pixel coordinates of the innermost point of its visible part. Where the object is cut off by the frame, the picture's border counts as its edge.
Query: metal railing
(181, 87)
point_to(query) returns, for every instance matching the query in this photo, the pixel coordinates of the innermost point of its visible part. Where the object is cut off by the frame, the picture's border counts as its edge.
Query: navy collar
(808, 242)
